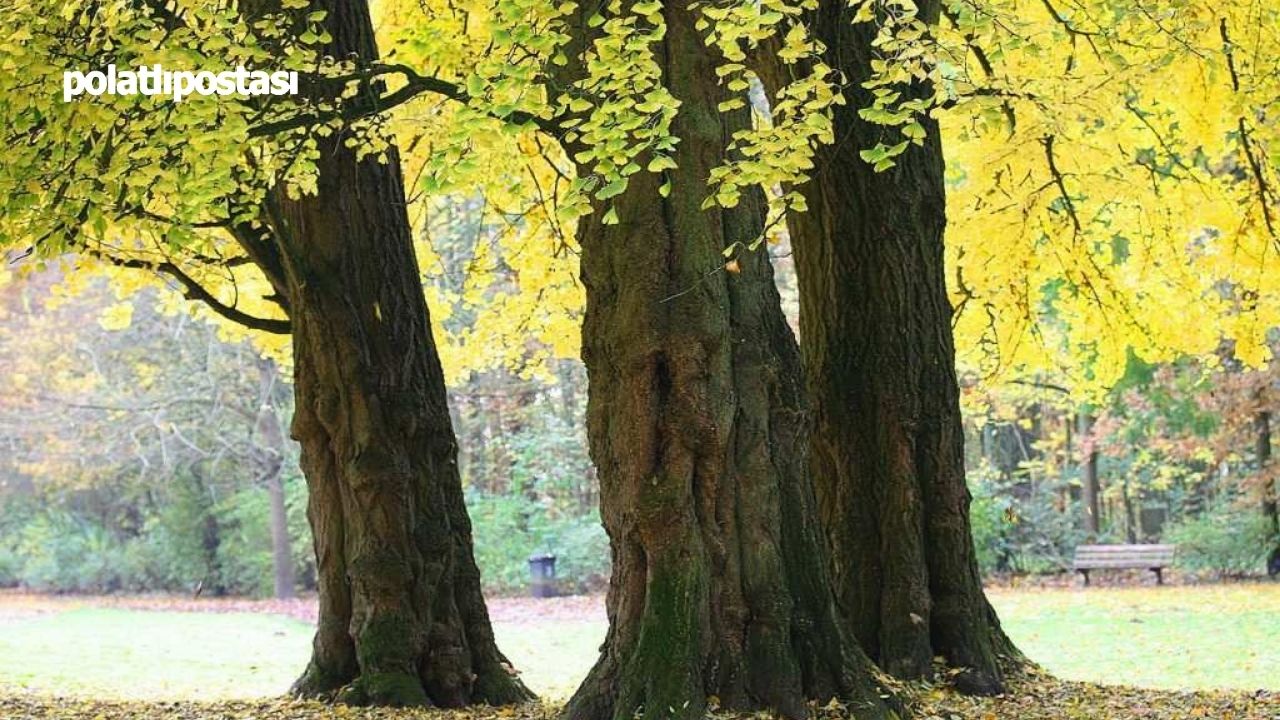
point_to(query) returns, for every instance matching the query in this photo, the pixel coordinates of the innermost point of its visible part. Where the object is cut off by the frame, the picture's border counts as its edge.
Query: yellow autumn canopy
(1112, 164)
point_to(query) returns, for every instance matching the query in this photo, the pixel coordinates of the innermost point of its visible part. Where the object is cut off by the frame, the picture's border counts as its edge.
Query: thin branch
(1246, 142)
(1042, 385)
(416, 85)
(193, 290)
(1060, 181)
(988, 70)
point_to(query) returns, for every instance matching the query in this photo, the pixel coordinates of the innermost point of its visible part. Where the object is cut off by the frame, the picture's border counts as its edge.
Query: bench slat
(1120, 564)
(1123, 556)
(1135, 558)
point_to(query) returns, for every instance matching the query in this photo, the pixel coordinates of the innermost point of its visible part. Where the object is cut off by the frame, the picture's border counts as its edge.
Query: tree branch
(193, 290)
(1246, 143)
(1060, 181)
(416, 85)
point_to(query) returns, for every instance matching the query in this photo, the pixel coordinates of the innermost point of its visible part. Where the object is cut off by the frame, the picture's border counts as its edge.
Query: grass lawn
(1215, 636)
(147, 655)
(1174, 637)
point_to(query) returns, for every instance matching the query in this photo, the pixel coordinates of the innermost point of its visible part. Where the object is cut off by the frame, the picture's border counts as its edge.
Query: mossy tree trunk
(402, 619)
(697, 427)
(887, 451)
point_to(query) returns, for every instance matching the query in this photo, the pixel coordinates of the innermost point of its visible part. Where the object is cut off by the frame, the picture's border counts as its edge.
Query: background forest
(141, 459)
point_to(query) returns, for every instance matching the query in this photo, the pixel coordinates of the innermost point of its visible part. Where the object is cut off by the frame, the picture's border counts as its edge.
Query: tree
(130, 424)
(1089, 484)
(402, 619)
(876, 321)
(1269, 505)
(875, 326)
(653, 141)
(695, 419)
(271, 459)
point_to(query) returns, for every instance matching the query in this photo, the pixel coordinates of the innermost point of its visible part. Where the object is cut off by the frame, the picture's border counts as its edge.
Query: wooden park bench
(1123, 557)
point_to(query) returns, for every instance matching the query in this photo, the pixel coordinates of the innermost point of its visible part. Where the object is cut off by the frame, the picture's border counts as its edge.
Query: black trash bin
(542, 576)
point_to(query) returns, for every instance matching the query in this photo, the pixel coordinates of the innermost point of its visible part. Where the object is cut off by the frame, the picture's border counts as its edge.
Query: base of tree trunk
(494, 686)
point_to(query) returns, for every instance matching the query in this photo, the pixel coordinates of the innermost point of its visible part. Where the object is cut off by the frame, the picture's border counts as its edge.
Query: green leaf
(613, 189)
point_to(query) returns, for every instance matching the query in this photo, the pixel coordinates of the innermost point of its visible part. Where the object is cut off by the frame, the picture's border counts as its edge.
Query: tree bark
(887, 451)
(1130, 518)
(272, 462)
(1270, 507)
(1089, 479)
(696, 424)
(402, 619)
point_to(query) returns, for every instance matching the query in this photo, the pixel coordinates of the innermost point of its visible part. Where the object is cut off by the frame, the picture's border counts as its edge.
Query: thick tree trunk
(272, 462)
(888, 444)
(696, 424)
(402, 620)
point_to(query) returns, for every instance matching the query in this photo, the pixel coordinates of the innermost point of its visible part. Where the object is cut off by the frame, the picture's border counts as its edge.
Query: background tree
(133, 458)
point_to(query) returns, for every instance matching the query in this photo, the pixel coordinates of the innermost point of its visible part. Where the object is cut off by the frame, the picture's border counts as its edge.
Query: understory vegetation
(174, 498)
(172, 502)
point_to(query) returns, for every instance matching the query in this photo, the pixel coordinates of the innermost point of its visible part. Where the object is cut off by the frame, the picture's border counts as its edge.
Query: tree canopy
(1117, 159)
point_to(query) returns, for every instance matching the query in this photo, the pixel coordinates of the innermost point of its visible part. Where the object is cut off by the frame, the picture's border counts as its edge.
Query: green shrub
(508, 529)
(1018, 526)
(169, 553)
(14, 514)
(10, 566)
(1226, 539)
(59, 551)
(62, 553)
(986, 516)
(301, 542)
(582, 552)
(244, 547)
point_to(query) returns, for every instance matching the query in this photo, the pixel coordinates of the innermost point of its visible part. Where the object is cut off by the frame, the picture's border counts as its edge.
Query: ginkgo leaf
(117, 317)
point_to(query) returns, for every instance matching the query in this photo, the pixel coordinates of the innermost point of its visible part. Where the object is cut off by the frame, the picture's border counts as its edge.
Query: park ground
(1190, 651)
